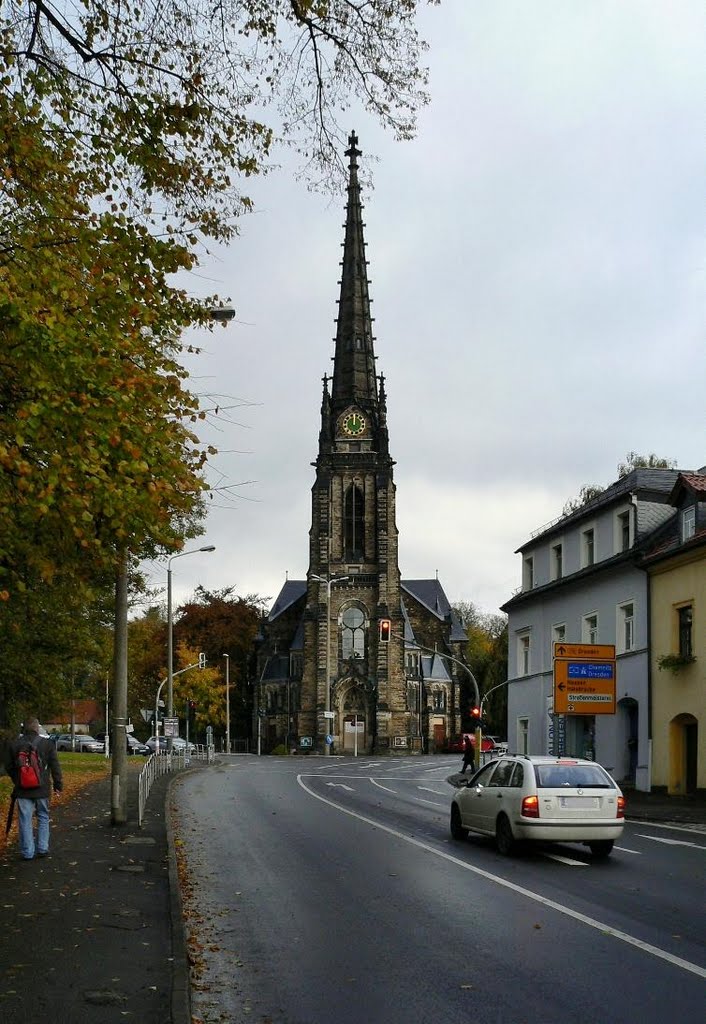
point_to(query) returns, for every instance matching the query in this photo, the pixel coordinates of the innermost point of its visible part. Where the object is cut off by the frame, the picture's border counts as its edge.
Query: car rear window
(572, 776)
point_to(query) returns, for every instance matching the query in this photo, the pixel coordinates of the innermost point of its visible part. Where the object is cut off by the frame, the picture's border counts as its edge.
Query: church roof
(458, 633)
(288, 595)
(434, 669)
(430, 593)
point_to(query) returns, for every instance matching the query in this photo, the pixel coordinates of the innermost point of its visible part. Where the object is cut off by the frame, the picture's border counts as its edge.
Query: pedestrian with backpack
(33, 765)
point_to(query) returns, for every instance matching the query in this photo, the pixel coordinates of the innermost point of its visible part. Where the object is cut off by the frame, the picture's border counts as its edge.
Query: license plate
(587, 803)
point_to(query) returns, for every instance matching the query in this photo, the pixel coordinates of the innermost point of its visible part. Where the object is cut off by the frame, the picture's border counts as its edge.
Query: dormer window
(688, 523)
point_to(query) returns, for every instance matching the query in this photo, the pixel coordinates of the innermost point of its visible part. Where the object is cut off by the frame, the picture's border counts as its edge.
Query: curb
(181, 974)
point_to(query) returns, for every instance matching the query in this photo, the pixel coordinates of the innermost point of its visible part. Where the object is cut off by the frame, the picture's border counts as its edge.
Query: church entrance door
(354, 734)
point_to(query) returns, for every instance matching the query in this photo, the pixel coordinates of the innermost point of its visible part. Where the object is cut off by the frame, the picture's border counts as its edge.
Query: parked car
(83, 743)
(178, 745)
(499, 746)
(134, 746)
(548, 799)
(457, 744)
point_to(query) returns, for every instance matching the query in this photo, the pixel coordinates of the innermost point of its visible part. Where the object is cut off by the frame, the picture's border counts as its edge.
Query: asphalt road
(329, 890)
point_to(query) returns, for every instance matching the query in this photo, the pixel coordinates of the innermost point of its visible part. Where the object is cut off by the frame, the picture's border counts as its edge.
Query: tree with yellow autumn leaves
(127, 135)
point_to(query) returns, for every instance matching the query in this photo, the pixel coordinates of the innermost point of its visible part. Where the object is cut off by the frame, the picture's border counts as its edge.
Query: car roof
(549, 759)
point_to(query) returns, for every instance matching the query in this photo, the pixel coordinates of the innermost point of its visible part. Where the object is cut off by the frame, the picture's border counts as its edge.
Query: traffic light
(202, 660)
(476, 720)
(385, 627)
(192, 705)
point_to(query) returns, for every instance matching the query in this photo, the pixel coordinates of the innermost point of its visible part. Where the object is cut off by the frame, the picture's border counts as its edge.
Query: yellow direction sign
(591, 652)
(583, 687)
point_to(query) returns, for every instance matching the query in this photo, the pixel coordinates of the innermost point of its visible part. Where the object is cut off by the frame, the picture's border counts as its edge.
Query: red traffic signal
(385, 628)
(475, 713)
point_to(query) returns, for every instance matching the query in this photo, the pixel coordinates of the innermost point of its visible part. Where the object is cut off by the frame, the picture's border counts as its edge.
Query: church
(354, 659)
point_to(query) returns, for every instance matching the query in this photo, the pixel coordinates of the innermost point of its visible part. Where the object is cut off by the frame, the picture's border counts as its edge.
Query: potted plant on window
(675, 662)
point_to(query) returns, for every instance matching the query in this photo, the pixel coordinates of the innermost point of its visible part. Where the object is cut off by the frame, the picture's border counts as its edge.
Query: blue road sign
(590, 670)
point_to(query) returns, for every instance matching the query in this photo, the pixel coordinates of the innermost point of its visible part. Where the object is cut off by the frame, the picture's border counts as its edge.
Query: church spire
(354, 361)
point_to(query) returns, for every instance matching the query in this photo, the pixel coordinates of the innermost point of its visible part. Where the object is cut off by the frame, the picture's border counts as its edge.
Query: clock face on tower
(353, 424)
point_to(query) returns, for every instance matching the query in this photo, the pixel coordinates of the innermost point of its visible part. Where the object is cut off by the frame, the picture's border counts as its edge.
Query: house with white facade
(582, 583)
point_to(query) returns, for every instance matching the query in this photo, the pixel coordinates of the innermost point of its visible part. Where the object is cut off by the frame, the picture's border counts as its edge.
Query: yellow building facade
(677, 570)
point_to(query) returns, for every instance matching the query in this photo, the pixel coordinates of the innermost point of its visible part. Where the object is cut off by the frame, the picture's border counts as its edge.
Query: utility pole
(227, 657)
(118, 791)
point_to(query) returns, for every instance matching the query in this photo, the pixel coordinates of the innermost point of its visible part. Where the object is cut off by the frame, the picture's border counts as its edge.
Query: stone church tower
(327, 677)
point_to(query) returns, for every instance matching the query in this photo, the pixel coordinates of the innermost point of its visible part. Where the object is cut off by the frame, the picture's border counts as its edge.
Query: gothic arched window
(352, 633)
(354, 524)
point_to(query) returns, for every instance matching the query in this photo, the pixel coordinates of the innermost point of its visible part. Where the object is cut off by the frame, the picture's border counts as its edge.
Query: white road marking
(700, 830)
(340, 785)
(386, 788)
(591, 922)
(624, 849)
(671, 842)
(565, 860)
(425, 789)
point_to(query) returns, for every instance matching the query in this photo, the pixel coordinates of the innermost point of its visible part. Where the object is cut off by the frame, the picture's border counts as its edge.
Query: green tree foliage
(147, 662)
(218, 623)
(651, 461)
(127, 134)
(214, 623)
(486, 653)
(55, 644)
(587, 493)
(632, 461)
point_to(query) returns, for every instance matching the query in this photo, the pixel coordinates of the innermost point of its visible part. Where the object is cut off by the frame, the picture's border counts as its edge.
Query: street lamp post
(227, 657)
(170, 631)
(329, 581)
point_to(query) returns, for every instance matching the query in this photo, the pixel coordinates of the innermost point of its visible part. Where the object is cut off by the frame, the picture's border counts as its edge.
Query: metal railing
(161, 764)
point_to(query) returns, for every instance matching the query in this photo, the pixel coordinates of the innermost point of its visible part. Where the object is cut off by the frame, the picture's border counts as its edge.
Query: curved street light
(329, 581)
(170, 641)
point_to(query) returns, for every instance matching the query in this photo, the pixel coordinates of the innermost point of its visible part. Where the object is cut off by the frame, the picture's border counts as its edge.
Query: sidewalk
(676, 810)
(94, 932)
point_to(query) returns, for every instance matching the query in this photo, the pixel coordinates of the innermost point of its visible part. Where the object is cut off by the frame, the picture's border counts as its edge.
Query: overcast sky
(538, 275)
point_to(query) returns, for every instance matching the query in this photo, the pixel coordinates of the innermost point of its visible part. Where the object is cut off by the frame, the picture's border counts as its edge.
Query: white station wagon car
(550, 799)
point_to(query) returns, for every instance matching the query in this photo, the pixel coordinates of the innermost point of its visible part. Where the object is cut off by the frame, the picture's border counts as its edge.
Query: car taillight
(530, 807)
(620, 813)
